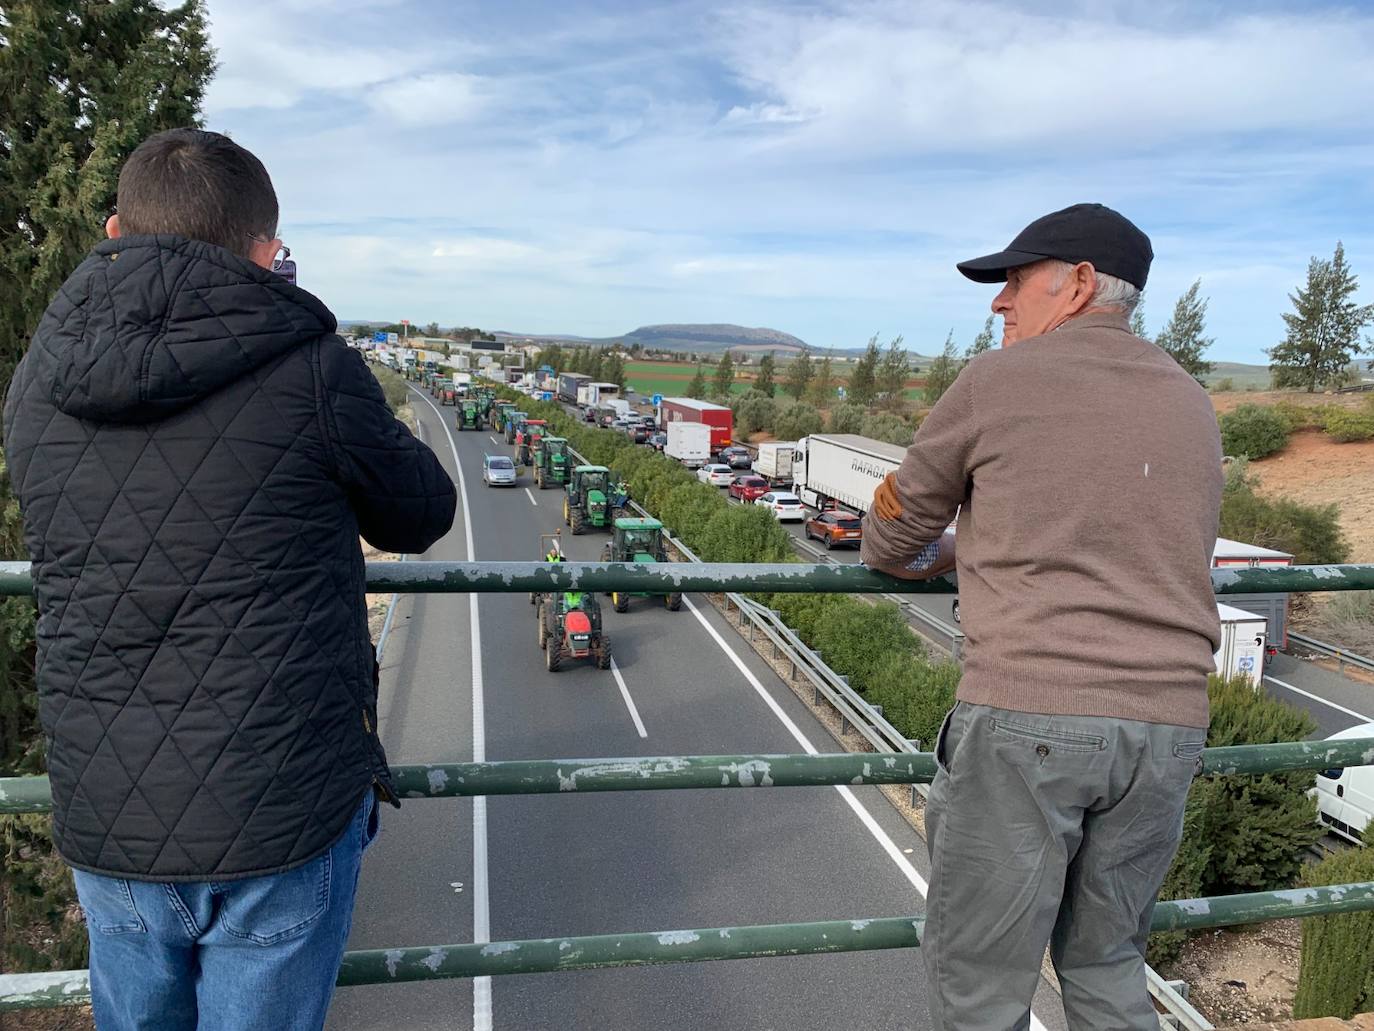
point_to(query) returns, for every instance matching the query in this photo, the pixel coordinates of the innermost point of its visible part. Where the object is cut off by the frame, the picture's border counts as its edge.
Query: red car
(747, 488)
(835, 528)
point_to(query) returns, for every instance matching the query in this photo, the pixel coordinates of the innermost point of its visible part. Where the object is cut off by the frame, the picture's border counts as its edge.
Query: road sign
(378, 337)
(841, 392)
(392, 338)
(658, 400)
(547, 396)
(405, 322)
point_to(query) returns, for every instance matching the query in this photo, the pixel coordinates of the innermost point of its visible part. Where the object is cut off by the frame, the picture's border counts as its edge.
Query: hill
(700, 337)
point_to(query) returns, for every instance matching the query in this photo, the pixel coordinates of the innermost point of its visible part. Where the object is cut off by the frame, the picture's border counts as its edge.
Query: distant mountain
(685, 337)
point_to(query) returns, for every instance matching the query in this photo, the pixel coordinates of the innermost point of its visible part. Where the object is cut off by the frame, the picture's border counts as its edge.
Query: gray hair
(1110, 292)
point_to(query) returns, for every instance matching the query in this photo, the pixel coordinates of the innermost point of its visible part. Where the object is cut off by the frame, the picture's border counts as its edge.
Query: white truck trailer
(1244, 636)
(774, 461)
(689, 443)
(842, 467)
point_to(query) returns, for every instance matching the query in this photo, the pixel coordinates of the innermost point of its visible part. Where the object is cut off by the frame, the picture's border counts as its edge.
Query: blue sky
(588, 167)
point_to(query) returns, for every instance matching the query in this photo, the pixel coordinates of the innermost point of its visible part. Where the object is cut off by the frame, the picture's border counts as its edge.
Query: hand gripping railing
(547, 776)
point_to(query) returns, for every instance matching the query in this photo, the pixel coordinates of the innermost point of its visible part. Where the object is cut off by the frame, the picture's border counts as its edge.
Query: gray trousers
(1049, 830)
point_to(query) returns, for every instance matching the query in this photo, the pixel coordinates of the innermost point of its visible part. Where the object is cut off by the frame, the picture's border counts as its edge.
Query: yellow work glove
(886, 505)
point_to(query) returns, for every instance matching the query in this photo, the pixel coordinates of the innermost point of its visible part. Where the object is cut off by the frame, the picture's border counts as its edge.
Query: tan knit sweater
(1088, 465)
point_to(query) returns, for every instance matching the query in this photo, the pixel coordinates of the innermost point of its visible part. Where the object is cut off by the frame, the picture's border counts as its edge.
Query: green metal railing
(31, 795)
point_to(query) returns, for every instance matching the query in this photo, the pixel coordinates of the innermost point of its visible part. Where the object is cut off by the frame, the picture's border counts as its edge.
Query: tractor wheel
(567, 513)
(553, 655)
(539, 478)
(603, 653)
(578, 523)
(543, 630)
(620, 602)
(674, 601)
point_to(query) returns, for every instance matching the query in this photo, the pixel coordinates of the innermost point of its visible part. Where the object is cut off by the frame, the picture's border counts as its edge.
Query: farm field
(672, 378)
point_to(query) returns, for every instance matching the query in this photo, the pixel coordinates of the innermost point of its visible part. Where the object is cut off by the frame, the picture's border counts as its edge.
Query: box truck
(686, 409)
(568, 382)
(589, 395)
(842, 467)
(774, 461)
(689, 443)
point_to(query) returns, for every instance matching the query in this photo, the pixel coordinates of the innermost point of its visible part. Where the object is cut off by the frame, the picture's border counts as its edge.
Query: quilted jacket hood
(147, 333)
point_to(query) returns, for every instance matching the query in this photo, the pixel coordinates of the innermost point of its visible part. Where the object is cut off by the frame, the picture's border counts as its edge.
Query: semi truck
(1229, 554)
(842, 467)
(568, 383)
(774, 461)
(686, 409)
(689, 443)
(592, 394)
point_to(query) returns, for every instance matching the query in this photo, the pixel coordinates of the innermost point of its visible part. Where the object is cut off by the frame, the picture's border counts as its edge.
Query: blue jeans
(259, 954)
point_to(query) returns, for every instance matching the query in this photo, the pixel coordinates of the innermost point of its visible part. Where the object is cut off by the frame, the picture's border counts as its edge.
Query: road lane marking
(629, 702)
(492, 439)
(481, 899)
(865, 817)
(1318, 698)
(531, 497)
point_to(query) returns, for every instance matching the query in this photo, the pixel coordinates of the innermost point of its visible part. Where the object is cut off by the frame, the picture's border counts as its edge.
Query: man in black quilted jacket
(196, 454)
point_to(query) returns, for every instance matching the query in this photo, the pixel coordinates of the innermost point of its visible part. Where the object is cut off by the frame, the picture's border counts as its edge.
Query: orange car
(835, 528)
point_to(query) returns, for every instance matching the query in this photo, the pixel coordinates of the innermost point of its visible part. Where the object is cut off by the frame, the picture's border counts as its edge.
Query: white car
(498, 471)
(716, 475)
(787, 507)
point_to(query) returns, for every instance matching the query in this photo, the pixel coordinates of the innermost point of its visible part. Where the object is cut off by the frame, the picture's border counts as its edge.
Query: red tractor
(527, 439)
(569, 622)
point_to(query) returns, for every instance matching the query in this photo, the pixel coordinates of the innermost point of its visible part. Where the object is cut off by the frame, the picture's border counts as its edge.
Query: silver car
(498, 471)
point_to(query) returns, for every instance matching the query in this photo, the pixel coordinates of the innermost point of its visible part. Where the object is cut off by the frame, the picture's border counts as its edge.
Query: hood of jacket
(149, 325)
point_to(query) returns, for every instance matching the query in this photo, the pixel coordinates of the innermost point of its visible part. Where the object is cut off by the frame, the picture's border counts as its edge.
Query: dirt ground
(1244, 975)
(1234, 399)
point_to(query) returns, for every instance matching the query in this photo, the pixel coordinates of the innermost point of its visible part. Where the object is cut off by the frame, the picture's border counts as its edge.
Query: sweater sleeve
(932, 482)
(403, 499)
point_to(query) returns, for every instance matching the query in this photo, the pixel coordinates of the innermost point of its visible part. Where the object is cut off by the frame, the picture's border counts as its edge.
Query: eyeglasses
(278, 259)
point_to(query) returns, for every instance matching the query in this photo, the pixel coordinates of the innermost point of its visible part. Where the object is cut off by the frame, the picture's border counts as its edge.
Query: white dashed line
(629, 702)
(531, 497)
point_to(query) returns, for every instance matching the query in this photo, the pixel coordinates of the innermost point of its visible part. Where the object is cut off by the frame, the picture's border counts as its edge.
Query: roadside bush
(1345, 425)
(847, 418)
(1224, 385)
(795, 421)
(1310, 533)
(1242, 833)
(804, 613)
(393, 387)
(744, 533)
(1253, 431)
(1336, 973)
(856, 638)
(755, 412)
(915, 695)
(687, 509)
(888, 427)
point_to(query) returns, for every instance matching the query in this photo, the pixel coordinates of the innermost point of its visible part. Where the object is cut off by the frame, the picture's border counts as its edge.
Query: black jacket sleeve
(401, 495)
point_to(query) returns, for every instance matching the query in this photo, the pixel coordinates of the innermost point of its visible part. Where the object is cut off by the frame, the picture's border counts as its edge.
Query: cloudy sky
(587, 167)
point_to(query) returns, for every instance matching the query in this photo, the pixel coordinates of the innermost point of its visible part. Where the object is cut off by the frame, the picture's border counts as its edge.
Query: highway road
(447, 871)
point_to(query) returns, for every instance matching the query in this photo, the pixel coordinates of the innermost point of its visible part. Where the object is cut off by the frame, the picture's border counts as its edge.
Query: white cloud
(436, 98)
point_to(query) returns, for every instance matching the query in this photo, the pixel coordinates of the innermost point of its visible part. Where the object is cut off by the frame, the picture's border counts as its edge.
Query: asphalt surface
(601, 863)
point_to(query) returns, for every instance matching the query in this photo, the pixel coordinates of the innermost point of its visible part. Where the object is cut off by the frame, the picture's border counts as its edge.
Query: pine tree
(724, 376)
(821, 390)
(799, 374)
(863, 382)
(613, 370)
(892, 373)
(1182, 336)
(943, 372)
(982, 342)
(1138, 317)
(697, 388)
(764, 383)
(1323, 328)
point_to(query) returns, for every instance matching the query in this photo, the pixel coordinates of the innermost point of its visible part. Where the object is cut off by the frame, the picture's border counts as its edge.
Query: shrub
(1224, 385)
(744, 533)
(887, 427)
(1243, 833)
(687, 509)
(847, 418)
(915, 695)
(795, 421)
(1310, 533)
(857, 637)
(1345, 425)
(1336, 974)
(1253, 431)
(805, 612)
(754, 412)
(393, 387)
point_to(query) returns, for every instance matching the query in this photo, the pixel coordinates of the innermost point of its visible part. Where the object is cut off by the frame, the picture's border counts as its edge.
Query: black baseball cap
(1083, 232)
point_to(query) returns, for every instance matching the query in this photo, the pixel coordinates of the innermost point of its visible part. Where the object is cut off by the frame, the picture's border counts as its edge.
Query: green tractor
(498, 415)
(640, 541)
(551, 462)
(468, 414)
(514, 420)
(593, 500)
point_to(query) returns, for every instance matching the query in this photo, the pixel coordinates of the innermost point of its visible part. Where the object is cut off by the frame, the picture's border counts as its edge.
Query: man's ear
(112, 227)
(1084, 278)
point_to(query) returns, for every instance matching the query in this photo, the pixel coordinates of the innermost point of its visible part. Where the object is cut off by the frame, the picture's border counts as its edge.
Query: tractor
(527, 439)
(569, 622)
(446, 391)
(468, 415)
(639, 541)
(498, 415)
(514, 420)
(593, 500)
(551, 461)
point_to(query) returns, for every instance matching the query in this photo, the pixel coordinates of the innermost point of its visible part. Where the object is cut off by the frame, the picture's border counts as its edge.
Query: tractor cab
(527, 439)
(590, 500)
(551, 461)
(469, 414)
(569, 622)
(640, 541)
(514, 420)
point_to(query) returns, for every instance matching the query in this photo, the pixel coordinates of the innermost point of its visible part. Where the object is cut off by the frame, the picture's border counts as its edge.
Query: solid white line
(865, 817)
(629, 702)
(1317, 698)
(481, 899)
(531, 497)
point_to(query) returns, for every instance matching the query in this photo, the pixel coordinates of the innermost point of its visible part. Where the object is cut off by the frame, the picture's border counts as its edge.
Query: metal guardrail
(1343, 656)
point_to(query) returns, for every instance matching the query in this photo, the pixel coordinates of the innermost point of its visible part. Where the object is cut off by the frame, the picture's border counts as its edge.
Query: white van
(1345, 798)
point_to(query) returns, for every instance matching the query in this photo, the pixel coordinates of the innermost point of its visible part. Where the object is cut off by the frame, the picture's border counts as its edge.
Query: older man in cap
(1085, 468)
